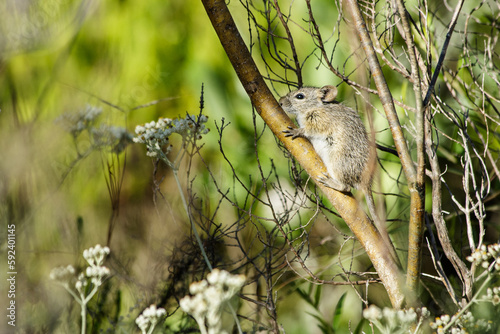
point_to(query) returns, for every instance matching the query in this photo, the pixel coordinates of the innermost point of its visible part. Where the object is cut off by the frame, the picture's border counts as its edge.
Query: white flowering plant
(102, 137)
(390, 321)
(486, 257)
(148, 319)
(93, 277)
(465, 321)
(156, 137)
(211, 298)
(83, 119)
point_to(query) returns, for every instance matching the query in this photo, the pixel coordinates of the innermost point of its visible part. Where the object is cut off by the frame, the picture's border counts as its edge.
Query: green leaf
(359, 327)
(305, 296)
(323, 325)
(317, 296)
(338, 311)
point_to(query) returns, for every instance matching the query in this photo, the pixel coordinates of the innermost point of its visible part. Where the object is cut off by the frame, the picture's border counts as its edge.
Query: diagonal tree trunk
(270, 111)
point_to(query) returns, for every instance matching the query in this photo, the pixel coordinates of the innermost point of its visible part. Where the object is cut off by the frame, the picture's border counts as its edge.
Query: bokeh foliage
(59, 56)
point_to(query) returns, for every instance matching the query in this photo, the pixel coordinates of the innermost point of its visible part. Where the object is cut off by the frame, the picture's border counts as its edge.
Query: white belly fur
(324, 151)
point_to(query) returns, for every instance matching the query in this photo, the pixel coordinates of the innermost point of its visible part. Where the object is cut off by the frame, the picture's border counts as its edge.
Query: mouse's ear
(328, 94)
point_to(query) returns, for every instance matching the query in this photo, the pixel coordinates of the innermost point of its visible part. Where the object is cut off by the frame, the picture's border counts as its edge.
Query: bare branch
(302, 150)
(440, 62)
(417, 210)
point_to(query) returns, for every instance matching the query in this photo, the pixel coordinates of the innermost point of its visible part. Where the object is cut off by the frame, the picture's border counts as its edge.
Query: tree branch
(437, 213)
(414, 182)
(440, 62)
(384, 93)
(270, 111)
(417, 209)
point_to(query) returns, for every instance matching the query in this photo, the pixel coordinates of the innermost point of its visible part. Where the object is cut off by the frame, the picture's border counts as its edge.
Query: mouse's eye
(300, 96)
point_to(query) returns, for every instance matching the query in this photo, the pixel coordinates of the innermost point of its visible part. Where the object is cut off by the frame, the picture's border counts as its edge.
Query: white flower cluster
(210, 297)
(81, 120)
(156, 134)
(95, 271)
(104, 136)
(493, 295)
(395, 321)
(483, 255)
(149, 318)
(90, 113)
(62, 274)
(95, 257)
(114, 137)
(459, 324)
(440, 322)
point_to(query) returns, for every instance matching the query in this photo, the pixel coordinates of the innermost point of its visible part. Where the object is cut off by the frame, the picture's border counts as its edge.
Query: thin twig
(440, 62)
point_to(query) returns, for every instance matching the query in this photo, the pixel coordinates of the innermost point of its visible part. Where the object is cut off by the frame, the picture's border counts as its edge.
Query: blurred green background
(138, 61)
(59, 56)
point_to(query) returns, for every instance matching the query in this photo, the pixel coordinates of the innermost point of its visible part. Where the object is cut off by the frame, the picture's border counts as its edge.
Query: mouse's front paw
(293, 132)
